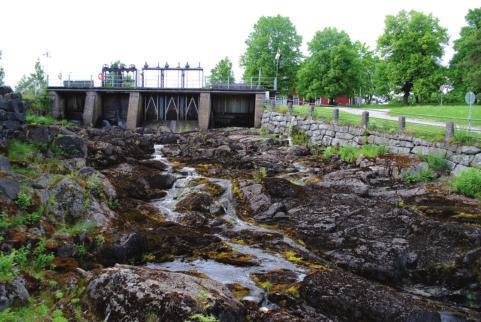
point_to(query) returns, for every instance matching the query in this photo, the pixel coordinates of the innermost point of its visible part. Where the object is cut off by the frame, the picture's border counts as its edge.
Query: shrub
(203, 318)
(8, 269)
(264, 130)
(468, 183)
(424, 175)
(348, 153)
(299, 137)
(329, 152)
(20, 151)
(24, 199)
(436, 163)
(45, 120)
(373, 151)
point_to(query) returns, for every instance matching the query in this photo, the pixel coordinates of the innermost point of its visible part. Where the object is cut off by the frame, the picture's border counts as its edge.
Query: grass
(468, 183)
(436, 163)
(445, 113)
(46, 120)
(423, 176)
(21, 151)
(349, 153)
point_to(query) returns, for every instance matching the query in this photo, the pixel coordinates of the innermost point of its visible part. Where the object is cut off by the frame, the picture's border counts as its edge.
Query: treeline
(406, 64)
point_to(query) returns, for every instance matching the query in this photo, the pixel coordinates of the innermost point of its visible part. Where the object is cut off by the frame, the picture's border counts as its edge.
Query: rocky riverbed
(230, 225)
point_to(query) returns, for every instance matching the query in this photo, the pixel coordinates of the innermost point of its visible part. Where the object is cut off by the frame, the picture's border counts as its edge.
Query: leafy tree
(382, 85)
(222, 72)
(2, 72)
(412, 46)
(333, 67)
(272, 35)
(367, 69)
(38, 78)
(465, 67)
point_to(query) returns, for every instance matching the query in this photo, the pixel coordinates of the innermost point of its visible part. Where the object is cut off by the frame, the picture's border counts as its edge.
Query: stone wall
(12, 113)
(459, 156)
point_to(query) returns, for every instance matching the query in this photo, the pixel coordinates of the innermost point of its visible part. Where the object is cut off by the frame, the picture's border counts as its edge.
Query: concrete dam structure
(130, 102)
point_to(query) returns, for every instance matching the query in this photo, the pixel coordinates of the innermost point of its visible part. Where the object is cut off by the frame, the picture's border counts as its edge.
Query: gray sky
(83, 35)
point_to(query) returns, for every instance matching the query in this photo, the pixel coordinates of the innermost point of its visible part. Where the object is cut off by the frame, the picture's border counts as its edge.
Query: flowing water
(224, 273)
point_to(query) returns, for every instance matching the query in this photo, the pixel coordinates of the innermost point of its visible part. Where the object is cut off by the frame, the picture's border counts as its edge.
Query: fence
(172, 79)
(371, 119)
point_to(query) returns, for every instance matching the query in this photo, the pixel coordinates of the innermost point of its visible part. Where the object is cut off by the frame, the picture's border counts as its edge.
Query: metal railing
(169, 81)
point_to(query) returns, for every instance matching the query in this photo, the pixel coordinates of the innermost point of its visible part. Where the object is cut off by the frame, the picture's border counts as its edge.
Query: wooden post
(402, 123)
(364, 119)
(449, 131)
(335, 115)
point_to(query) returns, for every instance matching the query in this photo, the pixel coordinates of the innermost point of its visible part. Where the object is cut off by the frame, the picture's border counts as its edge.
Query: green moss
(20, 151)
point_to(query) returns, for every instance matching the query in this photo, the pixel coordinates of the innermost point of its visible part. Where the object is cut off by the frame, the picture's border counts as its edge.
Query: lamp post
(278, 56)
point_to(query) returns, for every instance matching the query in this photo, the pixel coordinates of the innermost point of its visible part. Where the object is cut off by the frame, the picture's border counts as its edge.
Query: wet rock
(161, 180)
(196, 201)
(128, 293)
(128, 247)
(155, 164)
(351, 298)
(281, 188)
(274, 209)
(255, 196)
(4, 164)
(72, 146)
(9, 187)
(346, 181)
(69, 199)
(13, 292)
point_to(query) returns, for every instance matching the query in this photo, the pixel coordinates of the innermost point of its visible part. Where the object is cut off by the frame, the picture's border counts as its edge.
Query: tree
(367, 69)
(333, 67)
(36, 82)
(272, 35)
(412, 46)
(2, 72)
(465, 66)
(222, 72)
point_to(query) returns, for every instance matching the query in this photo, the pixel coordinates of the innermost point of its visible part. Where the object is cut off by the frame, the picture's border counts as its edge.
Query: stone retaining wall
(459, 156)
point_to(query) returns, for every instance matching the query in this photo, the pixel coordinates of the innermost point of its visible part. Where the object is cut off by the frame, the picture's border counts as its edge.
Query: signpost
(469, 98)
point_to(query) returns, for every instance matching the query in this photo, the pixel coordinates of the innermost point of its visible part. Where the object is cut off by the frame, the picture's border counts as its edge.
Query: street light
(278, 56)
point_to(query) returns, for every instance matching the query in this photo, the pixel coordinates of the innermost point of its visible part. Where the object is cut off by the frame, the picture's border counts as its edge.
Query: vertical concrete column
(402, 123)
(449, 131)
(364, 119)
(335, 115)
(58, 105)
(259, 109)
(134, 111)
(92, 108)
(204, 110)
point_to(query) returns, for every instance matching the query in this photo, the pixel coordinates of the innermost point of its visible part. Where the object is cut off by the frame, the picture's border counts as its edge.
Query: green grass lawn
(441, 113)
(427, 132)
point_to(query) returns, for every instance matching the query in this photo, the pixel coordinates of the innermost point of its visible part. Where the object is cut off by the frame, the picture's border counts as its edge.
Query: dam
(157, 95)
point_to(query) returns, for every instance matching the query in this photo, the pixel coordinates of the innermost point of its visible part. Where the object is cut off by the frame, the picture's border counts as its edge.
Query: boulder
(129, 293)
(255, 197)
(72, 146)
(9, 187)
(161, 180)
(13, 292)
(281, 188)
(196, 201)
(4, 164)
(128, 246)
(349, 180)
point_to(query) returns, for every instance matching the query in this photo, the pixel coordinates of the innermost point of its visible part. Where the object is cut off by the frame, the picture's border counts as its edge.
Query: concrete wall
(134, 113)
(92, 109)
(459, 156)
(259, 109)
(204, 110)
(58, 105)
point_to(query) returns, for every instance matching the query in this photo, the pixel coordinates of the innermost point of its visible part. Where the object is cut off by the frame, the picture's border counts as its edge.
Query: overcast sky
(83, 35)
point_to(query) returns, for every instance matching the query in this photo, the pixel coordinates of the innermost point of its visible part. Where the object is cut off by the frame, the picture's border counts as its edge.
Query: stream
(224, 273)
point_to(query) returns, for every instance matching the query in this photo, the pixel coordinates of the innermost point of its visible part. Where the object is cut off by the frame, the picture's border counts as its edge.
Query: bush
(373, 151)
(20, 151)
(329, 152)
(436, 163)
(348, 153)
(423, 176)
(299, 137)
(468, 183)
(24, 199)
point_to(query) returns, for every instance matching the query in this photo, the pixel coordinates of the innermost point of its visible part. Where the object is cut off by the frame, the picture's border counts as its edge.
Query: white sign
(470, 97)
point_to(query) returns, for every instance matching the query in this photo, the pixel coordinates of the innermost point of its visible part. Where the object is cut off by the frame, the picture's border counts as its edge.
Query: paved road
(383, 114)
